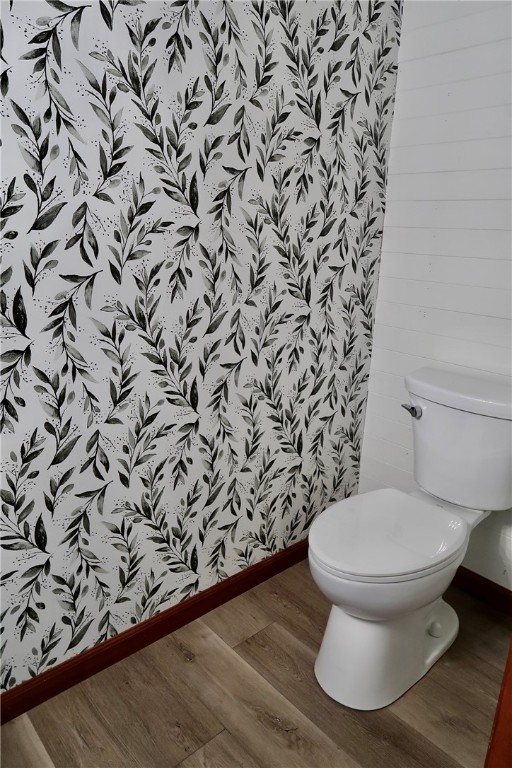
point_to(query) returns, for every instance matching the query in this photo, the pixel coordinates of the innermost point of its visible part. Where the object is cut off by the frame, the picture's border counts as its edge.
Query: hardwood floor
(236, 689)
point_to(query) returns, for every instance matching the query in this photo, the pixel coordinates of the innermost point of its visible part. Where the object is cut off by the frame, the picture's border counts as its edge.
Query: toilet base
(369, 664)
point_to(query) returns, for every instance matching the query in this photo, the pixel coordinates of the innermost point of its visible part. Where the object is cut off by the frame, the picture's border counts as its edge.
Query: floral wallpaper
(192, 206)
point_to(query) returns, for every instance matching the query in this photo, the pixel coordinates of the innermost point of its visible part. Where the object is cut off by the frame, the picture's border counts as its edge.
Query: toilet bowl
(388, 623)
(385, 558)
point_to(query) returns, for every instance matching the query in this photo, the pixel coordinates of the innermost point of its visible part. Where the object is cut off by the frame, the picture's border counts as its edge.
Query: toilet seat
(386, 536)
(382, 579)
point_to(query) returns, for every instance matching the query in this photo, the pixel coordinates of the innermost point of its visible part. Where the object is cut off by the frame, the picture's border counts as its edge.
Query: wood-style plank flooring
(236, 689)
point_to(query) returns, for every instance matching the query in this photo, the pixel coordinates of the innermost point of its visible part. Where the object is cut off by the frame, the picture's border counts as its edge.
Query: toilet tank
(463, 437)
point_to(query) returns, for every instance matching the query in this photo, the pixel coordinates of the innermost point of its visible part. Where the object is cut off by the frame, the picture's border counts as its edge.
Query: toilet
(385, 558)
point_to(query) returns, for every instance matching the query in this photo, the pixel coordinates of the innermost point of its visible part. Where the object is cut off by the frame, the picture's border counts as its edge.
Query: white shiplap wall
(445, 280)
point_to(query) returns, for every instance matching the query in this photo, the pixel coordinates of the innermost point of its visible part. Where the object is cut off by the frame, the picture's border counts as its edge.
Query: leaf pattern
(190, 224)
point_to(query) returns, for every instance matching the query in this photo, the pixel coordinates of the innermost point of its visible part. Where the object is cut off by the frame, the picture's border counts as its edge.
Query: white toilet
(385, 558)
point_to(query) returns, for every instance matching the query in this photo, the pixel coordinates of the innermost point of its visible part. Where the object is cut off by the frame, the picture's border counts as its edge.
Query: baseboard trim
(39, 689)
(485, 590)
(499, 752)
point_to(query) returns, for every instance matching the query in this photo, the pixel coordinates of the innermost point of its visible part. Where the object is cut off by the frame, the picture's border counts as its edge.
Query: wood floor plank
(21, 747)
(292, 599)
(447, 720)
(271, 729)
(374, 739)
(300, 577)
(166, 724)
(223, 751)
(238, 619)
(469, 677)
(75, 735)
(299, 582)
(483, 631)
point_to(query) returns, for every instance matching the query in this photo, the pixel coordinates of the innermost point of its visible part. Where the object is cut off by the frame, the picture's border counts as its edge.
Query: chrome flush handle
(414, 410)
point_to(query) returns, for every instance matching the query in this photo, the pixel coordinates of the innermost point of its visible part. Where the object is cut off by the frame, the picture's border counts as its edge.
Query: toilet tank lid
(483, 394)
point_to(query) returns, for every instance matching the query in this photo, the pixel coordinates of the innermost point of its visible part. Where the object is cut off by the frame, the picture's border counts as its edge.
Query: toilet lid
(385, 533)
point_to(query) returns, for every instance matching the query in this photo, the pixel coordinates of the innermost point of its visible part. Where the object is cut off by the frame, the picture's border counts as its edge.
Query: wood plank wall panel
(445, 282)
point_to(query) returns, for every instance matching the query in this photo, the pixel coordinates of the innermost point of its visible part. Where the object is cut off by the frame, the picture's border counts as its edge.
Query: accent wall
(192, 211)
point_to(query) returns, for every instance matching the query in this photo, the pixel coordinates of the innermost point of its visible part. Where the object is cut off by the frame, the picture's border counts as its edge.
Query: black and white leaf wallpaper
(192, 209)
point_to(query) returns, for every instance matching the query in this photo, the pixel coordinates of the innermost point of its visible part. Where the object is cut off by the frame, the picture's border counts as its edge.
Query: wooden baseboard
(485, 590)
(57, 679)
(63, 676)
(499, 752)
